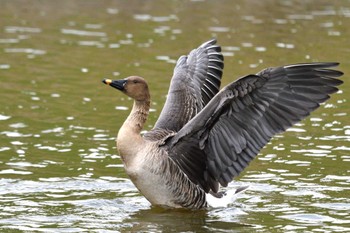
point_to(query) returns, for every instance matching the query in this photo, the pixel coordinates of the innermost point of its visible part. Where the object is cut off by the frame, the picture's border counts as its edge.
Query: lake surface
(59, 169)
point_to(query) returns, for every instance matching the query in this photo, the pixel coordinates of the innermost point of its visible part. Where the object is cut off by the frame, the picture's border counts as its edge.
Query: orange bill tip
(107, 81)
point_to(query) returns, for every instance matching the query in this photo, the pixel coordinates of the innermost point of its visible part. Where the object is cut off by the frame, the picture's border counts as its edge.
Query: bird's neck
(129, 140)
(138, 116)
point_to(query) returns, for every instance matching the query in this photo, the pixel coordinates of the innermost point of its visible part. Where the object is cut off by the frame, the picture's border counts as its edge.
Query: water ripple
(15, 29)
(82, 32)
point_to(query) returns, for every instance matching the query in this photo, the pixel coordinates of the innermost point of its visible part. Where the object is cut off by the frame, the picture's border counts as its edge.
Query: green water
(59, 170)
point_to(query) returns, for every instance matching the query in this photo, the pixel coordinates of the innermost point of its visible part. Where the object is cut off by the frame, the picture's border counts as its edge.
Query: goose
(205, 137)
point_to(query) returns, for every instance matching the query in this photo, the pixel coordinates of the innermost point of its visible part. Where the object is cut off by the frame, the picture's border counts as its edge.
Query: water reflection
(162, 220)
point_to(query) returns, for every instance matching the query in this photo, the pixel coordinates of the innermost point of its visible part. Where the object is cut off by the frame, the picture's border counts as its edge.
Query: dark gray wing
(219, 142)
(196, 79)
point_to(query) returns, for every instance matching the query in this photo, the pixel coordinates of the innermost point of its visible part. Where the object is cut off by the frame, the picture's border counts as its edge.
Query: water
(59, 170)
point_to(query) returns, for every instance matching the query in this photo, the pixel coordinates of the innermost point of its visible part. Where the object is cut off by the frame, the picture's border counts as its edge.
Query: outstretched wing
(219, 142)
(196, 79)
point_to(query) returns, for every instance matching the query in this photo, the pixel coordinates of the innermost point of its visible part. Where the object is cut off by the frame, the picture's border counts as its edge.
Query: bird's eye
(135, 81)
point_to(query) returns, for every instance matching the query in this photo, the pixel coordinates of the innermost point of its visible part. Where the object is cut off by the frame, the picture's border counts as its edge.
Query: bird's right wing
(219, 142)
(196, 79)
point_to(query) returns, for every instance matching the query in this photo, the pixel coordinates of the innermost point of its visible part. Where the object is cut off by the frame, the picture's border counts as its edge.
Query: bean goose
(205, 137)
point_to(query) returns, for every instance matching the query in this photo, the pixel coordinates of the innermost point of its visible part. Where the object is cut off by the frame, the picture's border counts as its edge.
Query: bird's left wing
(220, 141)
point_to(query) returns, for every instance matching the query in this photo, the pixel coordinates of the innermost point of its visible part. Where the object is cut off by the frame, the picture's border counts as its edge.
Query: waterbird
(205, 137)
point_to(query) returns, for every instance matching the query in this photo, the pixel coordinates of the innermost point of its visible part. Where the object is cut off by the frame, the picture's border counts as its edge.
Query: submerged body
(205, 137)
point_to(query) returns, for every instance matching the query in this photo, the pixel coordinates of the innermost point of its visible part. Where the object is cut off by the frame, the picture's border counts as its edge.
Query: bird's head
(133, 86)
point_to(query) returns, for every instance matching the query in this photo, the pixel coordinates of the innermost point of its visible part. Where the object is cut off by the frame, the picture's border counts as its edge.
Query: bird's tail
(223, 199)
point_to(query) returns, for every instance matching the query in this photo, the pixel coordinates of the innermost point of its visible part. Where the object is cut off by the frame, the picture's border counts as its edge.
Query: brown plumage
(205, 137)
